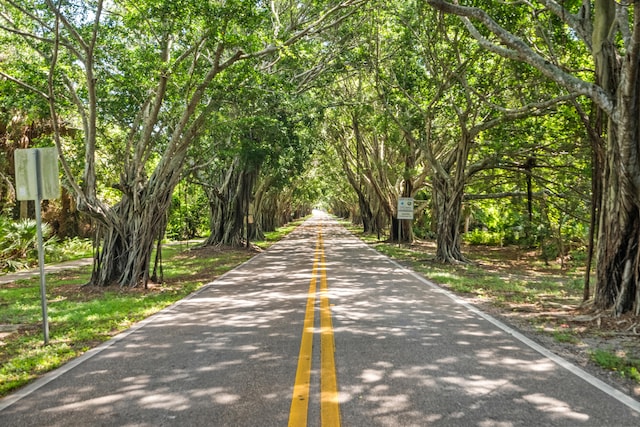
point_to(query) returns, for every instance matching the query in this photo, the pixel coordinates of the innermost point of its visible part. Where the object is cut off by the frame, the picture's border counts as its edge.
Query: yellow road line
(329, 404)
(300, 398)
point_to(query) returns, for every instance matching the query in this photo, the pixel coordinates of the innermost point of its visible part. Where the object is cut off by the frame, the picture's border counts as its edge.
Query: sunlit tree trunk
(133, 225)
(230, 206)
(447, 200)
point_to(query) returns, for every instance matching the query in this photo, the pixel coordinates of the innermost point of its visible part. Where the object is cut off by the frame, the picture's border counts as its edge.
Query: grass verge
(608, 359)
(82, 317)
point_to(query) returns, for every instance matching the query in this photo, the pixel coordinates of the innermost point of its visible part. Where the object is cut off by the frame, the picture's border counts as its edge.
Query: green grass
(501, 286)
(609, 360)
(82, 317)
(565, 337)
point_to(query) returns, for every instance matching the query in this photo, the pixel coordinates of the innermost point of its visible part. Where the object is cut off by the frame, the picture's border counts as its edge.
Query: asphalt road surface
(319, 330)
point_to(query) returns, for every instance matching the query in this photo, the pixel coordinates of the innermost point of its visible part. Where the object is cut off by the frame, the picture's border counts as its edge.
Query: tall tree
(141, 73)
(441, 91)
(611, 32)
(261, 151)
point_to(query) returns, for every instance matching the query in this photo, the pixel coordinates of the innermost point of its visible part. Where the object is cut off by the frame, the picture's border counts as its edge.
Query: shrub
(19, 245)
(69, 249)
(608, 360)
(481, 237)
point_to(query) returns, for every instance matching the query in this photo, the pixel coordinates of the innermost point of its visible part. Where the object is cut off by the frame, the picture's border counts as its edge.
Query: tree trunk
(229, 208)
(595, 128)
(128, 230)
(618, 255)
(368, 223)
(268, 212)
(448, 206)
(260, 199)
(617, 260)
(127, 245)
(449, 179)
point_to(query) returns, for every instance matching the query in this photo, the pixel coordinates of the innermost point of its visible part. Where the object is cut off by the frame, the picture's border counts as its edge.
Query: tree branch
(579, 22)
(516, 49)
(502, 195)
(24, 85)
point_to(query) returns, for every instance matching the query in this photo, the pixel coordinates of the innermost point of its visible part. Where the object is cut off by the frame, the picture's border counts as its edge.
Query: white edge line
(579, 372)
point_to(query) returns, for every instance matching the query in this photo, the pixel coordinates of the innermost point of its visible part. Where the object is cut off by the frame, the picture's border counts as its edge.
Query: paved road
(406, 354)
(49, 268)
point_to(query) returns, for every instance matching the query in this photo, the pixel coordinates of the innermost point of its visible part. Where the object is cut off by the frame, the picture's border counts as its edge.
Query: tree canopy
(508, 123)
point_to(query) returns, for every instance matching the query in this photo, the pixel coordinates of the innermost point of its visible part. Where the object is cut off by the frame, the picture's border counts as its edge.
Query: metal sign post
(43, 283)
(37, 179)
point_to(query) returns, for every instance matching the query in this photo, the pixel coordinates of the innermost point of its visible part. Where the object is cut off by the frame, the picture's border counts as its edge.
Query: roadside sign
(37, 179)
(405, 208)
(33, 165)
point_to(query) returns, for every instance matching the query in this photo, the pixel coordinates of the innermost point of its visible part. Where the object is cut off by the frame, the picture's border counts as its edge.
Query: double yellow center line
(329, 404)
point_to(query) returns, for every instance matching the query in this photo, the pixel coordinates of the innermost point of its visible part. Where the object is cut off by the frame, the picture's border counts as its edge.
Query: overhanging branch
(516, 49)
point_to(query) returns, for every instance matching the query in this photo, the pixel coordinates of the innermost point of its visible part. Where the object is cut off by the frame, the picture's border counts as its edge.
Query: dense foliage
(225, 119)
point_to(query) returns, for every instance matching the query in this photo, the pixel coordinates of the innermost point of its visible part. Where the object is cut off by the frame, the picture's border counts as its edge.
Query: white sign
(27, 173)
(405, 208)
